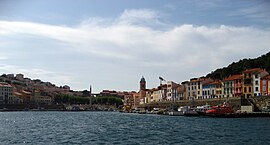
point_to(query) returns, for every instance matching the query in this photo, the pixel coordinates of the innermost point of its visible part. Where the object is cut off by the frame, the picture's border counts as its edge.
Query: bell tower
(142, 84)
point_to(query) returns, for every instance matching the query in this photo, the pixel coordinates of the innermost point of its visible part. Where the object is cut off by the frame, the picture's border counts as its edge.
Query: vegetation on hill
(107, 101)
(65, 98)
(262, 62)
(70, 99)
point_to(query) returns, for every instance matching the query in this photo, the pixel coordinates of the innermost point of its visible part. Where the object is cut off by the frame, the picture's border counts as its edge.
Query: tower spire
(90, 91)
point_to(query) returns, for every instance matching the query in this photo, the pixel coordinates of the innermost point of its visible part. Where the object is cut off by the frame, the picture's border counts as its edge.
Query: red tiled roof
(266, 77)
(233, 77)
(194, 80)
(238, 76)
(217, 82)
(253, 70)
(5, 85)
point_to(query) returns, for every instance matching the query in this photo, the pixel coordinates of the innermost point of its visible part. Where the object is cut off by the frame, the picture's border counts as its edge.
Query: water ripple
(128, 129)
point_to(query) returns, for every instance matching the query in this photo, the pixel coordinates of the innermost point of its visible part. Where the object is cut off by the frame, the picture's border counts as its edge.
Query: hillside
(237, 67)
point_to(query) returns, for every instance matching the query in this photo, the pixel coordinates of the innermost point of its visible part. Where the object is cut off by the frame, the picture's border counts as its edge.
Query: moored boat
(217, 111)
(180, 111)
(176, 113)
(191, 112)
(202, 109)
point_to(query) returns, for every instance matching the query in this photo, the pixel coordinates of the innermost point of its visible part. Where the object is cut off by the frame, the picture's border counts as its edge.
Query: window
(256, 82)
(256, 76)
(247, 81)
(256, 89)
(264, 88)
(198, 92)
(249, 89)
(264, 82)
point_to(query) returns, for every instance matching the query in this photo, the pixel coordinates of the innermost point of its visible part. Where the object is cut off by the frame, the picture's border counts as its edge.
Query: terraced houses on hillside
(252, 82)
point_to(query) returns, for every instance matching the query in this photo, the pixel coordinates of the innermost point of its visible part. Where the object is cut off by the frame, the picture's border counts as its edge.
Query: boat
(191, 112)
(184, 111)
(176, 113)
(202, 109)
(219, 111)
(179, 112)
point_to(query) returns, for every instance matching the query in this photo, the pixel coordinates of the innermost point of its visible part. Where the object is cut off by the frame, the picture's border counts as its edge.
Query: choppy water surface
(121, 128)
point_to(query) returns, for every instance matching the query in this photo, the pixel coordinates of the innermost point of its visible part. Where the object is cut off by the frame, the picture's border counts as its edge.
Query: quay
(241, 115)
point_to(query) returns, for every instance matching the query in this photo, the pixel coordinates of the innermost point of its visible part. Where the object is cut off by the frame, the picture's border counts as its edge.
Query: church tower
(142, 90)
(142, 84)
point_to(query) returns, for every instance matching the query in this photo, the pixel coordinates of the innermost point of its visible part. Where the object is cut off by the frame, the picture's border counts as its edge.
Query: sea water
(39, 128)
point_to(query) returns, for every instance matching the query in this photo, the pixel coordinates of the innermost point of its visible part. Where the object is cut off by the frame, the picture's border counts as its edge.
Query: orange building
(252, 81)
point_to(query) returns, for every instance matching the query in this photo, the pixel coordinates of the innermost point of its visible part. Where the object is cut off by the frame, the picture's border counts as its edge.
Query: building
(217, 86)
(195, 87)
(265, 85)
(181, 92)
(136, 99)
(142, 90)
(24, 96)
(42, 97)
(6, 93)
(238, 86)
(128, 102)
(156, 95)
(206, 90)
(45, 100)
(109, 93)
(201, 82)
(228, 86)
(19, 77)
(149, 96)
(192, 89)
(10, 76)
(184, 90)
(252, 80)
(171, 93)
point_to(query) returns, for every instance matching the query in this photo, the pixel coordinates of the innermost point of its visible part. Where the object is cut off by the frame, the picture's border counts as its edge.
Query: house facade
(6, 93)
(252, 81)
(265, 85)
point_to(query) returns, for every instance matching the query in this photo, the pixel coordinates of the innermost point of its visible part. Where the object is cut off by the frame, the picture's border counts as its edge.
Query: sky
(112, 44)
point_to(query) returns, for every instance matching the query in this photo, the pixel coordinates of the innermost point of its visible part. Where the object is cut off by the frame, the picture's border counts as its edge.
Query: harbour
(128, 128)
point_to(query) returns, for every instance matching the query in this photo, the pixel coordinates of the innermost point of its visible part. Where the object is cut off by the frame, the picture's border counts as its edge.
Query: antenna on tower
(161, 80)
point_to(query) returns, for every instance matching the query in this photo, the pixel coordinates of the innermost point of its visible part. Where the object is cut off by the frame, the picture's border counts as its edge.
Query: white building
(171, 92)
(256, 77)
(192, 89)
(6, 93)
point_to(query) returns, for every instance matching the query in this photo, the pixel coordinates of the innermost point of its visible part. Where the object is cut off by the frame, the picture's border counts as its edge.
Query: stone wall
(234, 102)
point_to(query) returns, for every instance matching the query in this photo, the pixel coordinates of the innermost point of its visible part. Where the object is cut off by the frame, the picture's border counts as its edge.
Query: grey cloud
(113, 49)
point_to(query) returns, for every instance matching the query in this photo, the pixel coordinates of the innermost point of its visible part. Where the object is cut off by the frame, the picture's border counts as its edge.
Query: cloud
(258, 11)
(133, 44)
(141, 16)
(59, 78)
